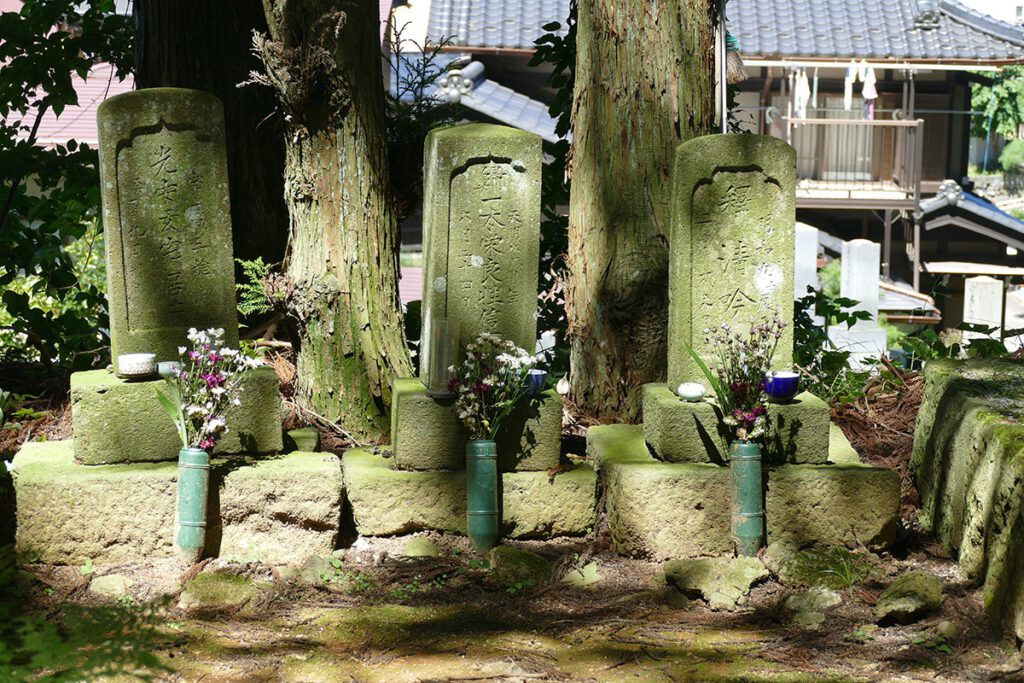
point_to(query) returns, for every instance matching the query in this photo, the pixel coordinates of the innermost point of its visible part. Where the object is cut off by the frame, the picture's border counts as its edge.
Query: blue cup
(781, 387)
(536, 381)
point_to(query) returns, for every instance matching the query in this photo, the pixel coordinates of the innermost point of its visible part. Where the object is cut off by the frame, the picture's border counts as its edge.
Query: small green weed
(934, 641)
(835, 568)
(350, 581)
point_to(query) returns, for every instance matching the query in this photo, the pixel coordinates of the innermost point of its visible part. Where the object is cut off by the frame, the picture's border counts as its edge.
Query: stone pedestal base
(279, 510)
(682, 510)
(426, 433)
(115, 421)
(678, 431)
(386, 501)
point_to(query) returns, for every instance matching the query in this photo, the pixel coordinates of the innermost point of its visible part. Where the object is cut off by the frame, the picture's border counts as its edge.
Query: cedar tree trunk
(644, 84)
(323, 61)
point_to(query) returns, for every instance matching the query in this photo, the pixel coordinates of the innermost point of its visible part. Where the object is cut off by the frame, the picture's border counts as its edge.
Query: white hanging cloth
(851, 77)
(868, 91)
(814, 90)
(801, 94)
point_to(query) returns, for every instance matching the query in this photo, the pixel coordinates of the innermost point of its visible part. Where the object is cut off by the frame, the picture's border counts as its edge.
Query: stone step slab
(386, 501)
(682, 510)
(119, 421)
(679, 431)
(278, 510)
(426, 433)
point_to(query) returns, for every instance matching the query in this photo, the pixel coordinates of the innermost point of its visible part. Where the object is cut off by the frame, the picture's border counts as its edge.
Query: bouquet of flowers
(741, 363)
(198, 394)
(489, 383)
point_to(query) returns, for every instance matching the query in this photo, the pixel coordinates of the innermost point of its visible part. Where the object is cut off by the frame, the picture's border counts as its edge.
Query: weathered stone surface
(833, 505)
(967, 467)
(305, 439)
(808, 608)
(908, 598)
(110, 586)
(280, 510)
(216, 591)
(67, 513)
(166, 219)
(481, 231)
(683, 510)
(680, 431)
(116, 421)
(723, 582)
(426, 433)
(420, 547)
(386, 501)
(840, 450)
(518, 568)
(732, 242)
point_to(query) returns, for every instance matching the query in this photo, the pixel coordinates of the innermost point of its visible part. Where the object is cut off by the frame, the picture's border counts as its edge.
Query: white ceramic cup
(136, 364)
(690, 391)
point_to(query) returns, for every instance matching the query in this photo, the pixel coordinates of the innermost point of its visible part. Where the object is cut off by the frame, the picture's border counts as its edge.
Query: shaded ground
(381, 617)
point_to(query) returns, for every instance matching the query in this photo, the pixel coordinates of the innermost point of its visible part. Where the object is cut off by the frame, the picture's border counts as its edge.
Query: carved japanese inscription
(167, 219)
(732, 243)
(482, 232)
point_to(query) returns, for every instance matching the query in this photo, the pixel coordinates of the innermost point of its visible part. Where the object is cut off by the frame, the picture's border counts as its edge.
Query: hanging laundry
(851, 78)
(868, 91)
(814, 90)
(801, 94)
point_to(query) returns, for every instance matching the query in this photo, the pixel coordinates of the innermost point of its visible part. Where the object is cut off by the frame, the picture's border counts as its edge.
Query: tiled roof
(954, 206)
(494, 23)
(929, 30)
(933, 30)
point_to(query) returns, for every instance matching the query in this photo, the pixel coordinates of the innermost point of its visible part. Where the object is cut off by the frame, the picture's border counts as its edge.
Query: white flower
(182, 350)
(218, 391)
(236, 402)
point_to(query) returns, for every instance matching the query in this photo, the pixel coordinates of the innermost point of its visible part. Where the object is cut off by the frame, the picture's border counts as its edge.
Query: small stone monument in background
(861, 261)
(984, 297)
(166, 219)
(805, 267)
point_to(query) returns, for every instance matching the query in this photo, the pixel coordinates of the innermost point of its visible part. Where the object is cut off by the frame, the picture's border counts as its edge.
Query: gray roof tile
(838, 29)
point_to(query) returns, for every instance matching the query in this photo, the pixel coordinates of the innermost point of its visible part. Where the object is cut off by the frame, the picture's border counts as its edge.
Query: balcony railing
(855, 163)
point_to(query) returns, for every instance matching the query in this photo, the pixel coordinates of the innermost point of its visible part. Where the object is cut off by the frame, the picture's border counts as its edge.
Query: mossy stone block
(276, 510)
(117, 421)
(481, 233)
(680, 431)
(386, 501)
(426, 433)
(798, 431)
(279, 510)
(681, 510)
(683, 431)
(166, 219)
(302, 439)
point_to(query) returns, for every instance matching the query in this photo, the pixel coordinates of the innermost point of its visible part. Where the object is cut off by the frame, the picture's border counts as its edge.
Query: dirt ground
(379, 616)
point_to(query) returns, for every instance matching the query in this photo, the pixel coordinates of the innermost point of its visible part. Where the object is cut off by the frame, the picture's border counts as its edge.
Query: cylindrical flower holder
(748, 496)
(193, 489)
(482, 494)
(443, 353)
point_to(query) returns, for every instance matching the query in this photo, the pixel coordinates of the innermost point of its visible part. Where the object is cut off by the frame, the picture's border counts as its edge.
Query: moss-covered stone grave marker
(167, 220)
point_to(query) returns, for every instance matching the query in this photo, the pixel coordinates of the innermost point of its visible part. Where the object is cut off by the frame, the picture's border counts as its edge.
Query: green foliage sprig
(52, 310)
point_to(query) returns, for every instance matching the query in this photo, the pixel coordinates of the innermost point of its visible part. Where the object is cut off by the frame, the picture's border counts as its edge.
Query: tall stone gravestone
(732, 243)
(167, 220)
(983, 305)
(805, 268)
(481, 223)
(861, 261)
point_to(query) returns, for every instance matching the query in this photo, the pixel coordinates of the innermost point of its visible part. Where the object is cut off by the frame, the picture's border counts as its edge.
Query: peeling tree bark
(644, 83)
(323, 62)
